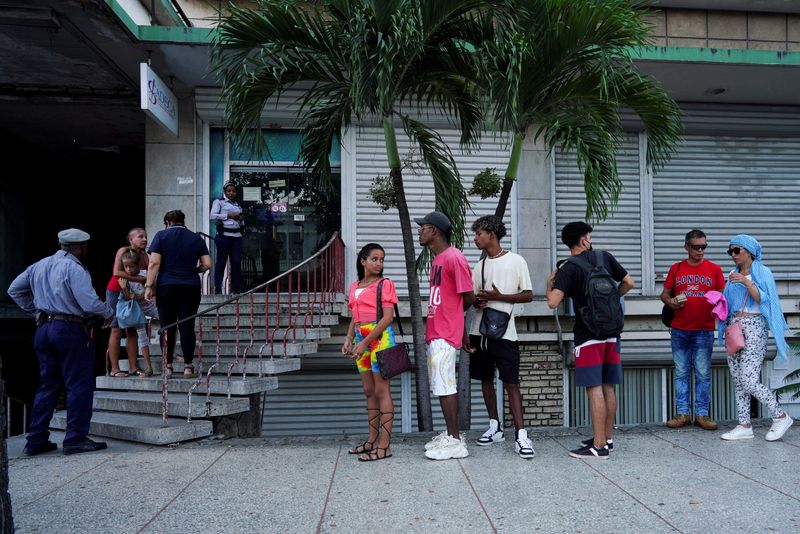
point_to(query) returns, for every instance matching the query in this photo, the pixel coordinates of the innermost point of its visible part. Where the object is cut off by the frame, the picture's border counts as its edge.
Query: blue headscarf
(736, 293)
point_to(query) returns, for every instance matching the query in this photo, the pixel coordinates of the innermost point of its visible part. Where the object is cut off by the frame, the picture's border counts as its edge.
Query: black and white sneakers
(524, 445)
(492, 435)
(590, 452)
(590, 441)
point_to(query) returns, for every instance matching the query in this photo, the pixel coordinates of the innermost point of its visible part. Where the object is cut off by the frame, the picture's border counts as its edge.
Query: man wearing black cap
(450, 294)
(58, 291)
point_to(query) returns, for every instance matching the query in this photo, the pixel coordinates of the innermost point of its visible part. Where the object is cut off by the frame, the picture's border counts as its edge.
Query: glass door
(287, 220)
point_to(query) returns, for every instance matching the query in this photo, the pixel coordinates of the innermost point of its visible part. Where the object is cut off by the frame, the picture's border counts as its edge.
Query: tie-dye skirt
(368, 361)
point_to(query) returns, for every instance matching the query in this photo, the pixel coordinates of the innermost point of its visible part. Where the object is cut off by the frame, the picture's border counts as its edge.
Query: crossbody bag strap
(380, 308)
(483, 278)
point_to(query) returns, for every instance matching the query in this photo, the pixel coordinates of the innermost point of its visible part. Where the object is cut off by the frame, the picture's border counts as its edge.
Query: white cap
(71, 236)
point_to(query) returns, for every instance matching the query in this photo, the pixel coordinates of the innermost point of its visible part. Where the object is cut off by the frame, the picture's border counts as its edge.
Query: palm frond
(451, 199)
(564, 66)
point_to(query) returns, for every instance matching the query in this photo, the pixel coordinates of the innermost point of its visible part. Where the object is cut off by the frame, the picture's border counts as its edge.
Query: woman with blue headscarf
(753, 301)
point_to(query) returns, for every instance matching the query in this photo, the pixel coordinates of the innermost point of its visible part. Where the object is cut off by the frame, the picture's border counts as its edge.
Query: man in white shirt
(500, 280)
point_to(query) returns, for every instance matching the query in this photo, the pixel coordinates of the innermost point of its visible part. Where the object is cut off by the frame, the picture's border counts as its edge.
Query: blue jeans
(692, 349)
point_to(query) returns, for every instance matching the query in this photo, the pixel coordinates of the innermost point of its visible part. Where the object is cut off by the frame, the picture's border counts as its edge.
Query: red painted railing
(293, 302)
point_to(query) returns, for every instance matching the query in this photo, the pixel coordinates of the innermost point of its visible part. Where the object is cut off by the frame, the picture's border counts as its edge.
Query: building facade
(734, 68)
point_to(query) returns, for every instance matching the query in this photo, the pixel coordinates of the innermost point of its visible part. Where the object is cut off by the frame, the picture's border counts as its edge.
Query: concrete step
(276, 349)
(298, 322)
(259, 334)
(266, 366)
(141, 428)
(260, 298)
(228, 349)
(219, 384)
(260, 308)
(142, 402)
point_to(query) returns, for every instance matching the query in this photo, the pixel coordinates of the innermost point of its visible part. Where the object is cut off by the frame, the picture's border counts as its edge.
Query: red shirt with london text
(694, 281)
(450, 276)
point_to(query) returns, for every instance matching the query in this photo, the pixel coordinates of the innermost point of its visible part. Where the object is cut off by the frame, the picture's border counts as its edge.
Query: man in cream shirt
(500, 280)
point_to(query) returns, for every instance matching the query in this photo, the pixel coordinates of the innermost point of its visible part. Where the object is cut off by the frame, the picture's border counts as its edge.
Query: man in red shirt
(692, 329)
(450, 294)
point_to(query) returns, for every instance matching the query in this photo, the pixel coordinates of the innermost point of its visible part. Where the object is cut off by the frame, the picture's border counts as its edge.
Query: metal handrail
(332, 273)
(259, 287)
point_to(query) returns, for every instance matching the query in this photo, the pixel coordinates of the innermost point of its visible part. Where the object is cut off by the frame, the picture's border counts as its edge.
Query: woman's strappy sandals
(366, 446)
(375, 454)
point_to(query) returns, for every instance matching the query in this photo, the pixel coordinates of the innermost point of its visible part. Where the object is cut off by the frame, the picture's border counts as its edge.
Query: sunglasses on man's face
(698, 247)
(734, 250)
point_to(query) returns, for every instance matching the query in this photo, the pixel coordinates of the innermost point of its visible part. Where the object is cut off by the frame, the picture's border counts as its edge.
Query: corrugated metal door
(726, 186)
(372, 225)
(621, 232)
(326, 398)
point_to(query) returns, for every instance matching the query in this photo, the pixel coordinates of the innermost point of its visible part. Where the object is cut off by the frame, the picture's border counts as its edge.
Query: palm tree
(357, 61)
(564, 68)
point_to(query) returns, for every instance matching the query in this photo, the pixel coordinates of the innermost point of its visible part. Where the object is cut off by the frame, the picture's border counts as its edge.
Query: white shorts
(442, 367)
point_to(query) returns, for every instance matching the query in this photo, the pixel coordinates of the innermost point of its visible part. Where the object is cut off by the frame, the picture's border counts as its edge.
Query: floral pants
(745, 368)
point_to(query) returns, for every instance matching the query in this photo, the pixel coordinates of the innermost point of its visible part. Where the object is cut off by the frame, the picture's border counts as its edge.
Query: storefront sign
(251, 194)
(157, 100)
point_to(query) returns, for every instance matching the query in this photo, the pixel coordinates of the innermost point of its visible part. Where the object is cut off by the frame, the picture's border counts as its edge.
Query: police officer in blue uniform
(58, 291)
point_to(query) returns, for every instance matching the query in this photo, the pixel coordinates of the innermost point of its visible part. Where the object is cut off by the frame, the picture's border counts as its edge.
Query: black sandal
(188, 371)
(374, 455)
(361, 448)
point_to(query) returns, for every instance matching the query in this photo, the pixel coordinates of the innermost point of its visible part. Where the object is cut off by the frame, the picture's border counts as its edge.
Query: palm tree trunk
(464, 381)
(510, 176)
(424, 416)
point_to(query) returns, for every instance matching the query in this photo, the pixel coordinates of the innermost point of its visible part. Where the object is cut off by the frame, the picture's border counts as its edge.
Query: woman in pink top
(371, 336)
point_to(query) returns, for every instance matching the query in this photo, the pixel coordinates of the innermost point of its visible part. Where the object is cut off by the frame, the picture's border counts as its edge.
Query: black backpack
(602, 313)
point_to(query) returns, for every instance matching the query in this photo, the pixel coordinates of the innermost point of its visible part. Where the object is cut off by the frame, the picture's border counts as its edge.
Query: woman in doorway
(177, 256)
(137, 242)
(365, 336)
(227, 214)
(753, 302)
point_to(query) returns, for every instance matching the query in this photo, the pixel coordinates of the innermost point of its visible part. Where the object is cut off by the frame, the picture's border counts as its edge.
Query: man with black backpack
(595, 281)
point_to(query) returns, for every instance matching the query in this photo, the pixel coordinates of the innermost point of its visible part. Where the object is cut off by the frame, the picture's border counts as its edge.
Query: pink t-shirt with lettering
(450, 276)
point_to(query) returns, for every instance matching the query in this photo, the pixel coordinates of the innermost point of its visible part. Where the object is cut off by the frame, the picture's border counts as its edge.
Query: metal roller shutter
(326, 398)
(372, 225)
(726, 186)
(621, 232)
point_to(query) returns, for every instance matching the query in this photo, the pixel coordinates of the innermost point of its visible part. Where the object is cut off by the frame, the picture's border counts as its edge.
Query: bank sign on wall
(158, 102)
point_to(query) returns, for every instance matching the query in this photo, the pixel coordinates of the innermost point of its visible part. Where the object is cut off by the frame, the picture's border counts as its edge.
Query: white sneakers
(739, 432)
(445, 447)
(448, 448)
(779, 427)
(524, 445)
(493, 435)
(432, 444)
(776, 432)
(438, 439)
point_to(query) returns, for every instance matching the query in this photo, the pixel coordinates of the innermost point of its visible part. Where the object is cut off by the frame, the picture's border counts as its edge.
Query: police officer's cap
(71, 236)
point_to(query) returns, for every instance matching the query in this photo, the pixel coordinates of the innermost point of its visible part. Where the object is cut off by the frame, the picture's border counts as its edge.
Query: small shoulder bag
(394, 360)
(734, 337)
(493, 322)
